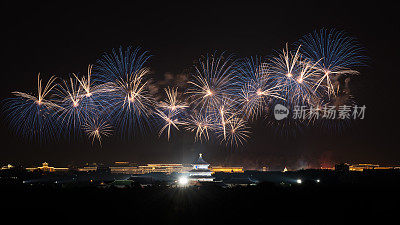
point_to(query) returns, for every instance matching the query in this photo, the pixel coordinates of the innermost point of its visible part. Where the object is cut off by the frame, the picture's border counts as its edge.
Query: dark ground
(353, 198)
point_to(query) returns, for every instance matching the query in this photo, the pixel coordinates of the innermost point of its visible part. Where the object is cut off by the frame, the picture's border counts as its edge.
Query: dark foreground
(261, 204)
(265, 203)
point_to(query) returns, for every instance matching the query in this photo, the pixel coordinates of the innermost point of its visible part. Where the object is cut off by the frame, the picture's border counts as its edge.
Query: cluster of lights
(183, 181)
(299, 181)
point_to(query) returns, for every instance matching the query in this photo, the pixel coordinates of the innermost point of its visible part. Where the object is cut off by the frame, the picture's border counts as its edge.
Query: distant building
(361, 167)
(200, 171)
(46, 168)
(88, 169)
(122, 163)
(345, 167)
(327, 168)
(229, 169)
(8, 167)
(285, 169)
(149, 168)
(387, 168)
(161, 168)
(127, 168)
(365, 166)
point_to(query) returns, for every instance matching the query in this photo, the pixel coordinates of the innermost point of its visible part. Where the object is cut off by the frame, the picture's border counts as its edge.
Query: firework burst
(120, 64)
(172, 103)
(129, 103)
(31, 116)
(200, 125)
(169, 120)
(256, 88)
(71, 113)
(335, 55)
(214, 82)
(222, 94)
(295, 74)
(96, 129)
(235, 132)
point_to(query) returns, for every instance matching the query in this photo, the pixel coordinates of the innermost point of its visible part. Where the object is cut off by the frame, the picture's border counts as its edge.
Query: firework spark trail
(200, 125)
(214, 82)
(129, 103)
(223, 94)
(222, 114)
(86, 83)
(336, 54)
(235, 133)
(97, 128)
(32, 116)
(121, 64)
(170, 110)
(91, 96)
(172, 103)
(71, 114)
(296, 74)
(169, 120)
(256, 88)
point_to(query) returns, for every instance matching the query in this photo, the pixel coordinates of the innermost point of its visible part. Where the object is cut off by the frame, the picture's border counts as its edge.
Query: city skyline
(203, 112)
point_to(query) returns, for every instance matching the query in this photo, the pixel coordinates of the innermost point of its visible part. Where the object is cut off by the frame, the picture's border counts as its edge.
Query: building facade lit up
(46, 168)
(200, 171)
(125, 168)
(228, 169)
(365, 166)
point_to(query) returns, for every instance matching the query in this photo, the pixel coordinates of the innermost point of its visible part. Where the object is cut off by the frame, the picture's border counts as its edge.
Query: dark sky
(58, 39)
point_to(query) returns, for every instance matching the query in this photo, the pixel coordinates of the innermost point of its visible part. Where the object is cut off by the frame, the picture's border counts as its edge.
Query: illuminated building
(46, 168)
(285, 170)
(327, 168)
(230, 169)
(161, 168)
(88, 169)
(362, 167)
(387, 168)
(9, 166)
(149, 168)
(122, 163)
(200, 171)
(127, 168)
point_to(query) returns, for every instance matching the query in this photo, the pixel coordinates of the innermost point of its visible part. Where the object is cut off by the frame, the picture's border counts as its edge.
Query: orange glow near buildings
(126, 168)
(327, 168)
(366, 166)
(46, 168)
(229, 169)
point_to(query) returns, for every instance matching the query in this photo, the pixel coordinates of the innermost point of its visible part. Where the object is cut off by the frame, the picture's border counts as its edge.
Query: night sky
(58, 39)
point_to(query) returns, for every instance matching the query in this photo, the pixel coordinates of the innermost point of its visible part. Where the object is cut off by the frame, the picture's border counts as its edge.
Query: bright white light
(318, 180)
(183, 181)
(298, 181)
